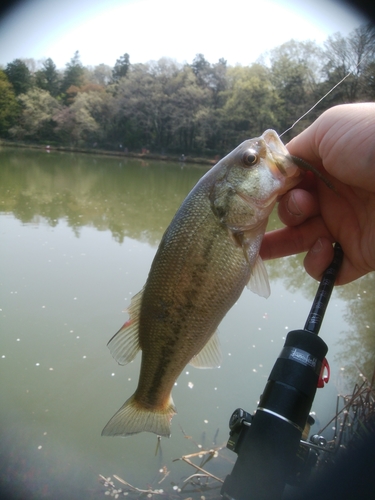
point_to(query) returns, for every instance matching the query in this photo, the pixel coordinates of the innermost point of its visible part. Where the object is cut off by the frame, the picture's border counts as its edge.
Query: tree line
(198, 108)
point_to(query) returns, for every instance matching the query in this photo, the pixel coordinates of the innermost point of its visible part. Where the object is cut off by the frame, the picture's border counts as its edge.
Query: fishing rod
(268, 442)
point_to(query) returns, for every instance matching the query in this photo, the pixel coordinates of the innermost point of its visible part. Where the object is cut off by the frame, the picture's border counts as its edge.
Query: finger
(334, 140)
(294, 239)
(318, 258)
(304, 145)
(296, 206)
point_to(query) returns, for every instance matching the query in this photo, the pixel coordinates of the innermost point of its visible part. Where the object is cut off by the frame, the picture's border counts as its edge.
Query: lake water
(77, 237)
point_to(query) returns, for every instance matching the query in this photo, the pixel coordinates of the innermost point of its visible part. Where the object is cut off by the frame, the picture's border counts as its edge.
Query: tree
(121, 67)
(187, 100)
(48, 78)
(201, 69)
(100, 74)
(73, 74)
(368, 82)
(156, 106)
(352, 55)
(19, 76)
(295, 71)
(138, 103)
(72, 91)
(218, 80)
(251, 103)
(31, 63)
(37, 117)
(9, 107)
(77, 124)
(192, 108)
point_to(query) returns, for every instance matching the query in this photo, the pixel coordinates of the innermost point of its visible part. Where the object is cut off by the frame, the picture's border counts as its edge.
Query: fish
(206, 257)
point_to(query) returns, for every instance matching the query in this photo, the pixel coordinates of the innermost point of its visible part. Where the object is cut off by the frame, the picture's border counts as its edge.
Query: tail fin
(133, 418)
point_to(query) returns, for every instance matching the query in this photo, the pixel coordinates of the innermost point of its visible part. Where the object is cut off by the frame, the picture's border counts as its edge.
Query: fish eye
(249, 158)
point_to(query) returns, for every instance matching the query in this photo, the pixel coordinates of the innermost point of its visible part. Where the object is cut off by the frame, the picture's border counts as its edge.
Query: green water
(77, 237)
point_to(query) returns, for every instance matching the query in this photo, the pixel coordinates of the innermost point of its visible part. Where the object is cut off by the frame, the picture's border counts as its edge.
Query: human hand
(341, 144)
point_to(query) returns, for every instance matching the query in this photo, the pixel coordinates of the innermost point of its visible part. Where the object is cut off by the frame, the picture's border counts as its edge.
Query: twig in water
(134, 488)
(195, 475)
(166, 472)
(212, 451)
(158, 446)
(201, 470)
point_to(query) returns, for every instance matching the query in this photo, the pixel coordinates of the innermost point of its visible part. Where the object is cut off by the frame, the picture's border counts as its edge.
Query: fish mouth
(286, 165)
(279, 156)
(292, 166)
(271, 150)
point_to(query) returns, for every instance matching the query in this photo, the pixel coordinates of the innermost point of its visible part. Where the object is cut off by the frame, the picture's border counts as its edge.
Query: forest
(165, 107)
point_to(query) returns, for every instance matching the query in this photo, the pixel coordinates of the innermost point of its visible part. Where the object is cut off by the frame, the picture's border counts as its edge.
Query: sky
(236, 30)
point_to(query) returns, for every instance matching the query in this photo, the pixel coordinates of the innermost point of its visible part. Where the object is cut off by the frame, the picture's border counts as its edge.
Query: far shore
(144, 156)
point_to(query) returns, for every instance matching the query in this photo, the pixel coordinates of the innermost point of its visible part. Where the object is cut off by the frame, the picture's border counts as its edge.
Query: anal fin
(210, 355)
(124, 345)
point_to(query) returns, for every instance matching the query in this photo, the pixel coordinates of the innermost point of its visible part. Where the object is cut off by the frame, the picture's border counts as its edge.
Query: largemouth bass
(206, 257)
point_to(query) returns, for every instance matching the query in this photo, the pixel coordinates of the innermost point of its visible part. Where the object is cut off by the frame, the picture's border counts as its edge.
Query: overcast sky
(237, 30)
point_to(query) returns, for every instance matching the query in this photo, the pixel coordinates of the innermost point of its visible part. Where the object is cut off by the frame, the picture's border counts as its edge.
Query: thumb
(318, 258)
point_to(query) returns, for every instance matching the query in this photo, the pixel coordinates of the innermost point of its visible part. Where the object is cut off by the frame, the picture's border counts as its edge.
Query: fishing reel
(307, 453)
(239, 424)
(271, 444)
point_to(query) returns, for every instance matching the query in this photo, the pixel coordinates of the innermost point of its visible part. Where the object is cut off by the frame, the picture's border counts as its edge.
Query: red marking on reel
(324, 375)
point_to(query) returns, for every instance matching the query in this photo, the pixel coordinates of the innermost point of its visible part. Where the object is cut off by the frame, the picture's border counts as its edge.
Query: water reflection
(78, 235)
(357, 343)
(133, 198)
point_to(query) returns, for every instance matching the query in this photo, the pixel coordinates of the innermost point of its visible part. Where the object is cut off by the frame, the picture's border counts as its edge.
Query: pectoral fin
(258, 282)
(250, 242)
(210, 355)
(124, 345)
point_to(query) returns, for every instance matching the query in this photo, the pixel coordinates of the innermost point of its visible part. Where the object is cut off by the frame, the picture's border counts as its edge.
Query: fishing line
(320, 100)
(325, 95)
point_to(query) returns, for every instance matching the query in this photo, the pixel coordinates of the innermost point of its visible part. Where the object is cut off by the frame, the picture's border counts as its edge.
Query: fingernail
(292, 206)
(316, 248)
